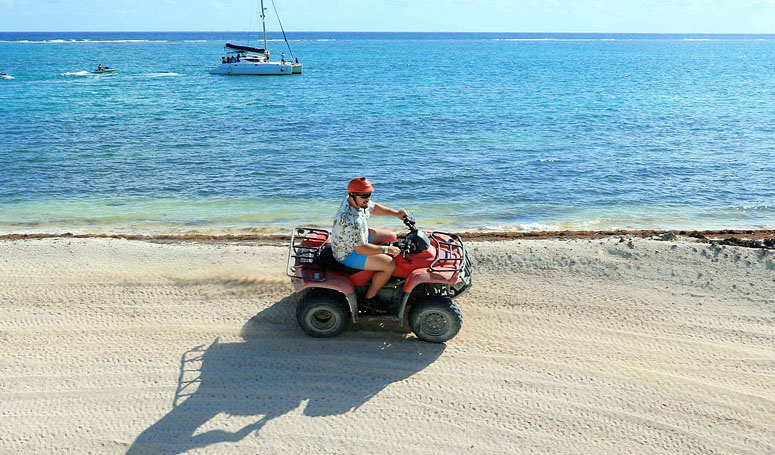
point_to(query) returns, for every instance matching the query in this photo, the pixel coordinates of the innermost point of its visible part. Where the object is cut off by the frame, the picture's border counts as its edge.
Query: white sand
(601, 346)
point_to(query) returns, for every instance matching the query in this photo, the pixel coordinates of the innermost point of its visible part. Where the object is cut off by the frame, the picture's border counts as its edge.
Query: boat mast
(263, 21)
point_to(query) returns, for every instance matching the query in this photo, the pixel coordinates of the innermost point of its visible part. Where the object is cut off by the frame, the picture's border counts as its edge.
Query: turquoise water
(467, 131)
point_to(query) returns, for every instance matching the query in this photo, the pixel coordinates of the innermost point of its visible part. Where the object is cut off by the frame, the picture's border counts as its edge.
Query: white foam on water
(77, 73)
(125, 41)
(555, 39)
(62, 41)
(519, 227)
(592, 224)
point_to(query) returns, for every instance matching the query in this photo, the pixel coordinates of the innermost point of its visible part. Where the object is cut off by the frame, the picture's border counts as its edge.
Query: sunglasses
(363, 195)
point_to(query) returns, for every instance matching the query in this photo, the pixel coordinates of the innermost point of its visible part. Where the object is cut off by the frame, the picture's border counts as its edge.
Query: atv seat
(326, 260)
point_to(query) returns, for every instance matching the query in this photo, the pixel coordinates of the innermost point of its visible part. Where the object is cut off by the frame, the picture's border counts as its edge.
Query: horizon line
(387, 31)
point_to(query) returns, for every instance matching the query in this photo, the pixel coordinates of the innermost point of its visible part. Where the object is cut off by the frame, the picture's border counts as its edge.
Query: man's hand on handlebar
(393, 251)
(409, 222)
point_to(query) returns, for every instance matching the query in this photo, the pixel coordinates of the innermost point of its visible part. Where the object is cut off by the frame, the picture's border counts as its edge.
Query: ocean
(469, 131)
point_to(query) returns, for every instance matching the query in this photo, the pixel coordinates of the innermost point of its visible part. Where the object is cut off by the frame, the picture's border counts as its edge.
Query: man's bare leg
(384, 266)
(377, 236)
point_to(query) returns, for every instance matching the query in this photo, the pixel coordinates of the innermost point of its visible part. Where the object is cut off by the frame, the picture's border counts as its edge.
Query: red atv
(431, 270)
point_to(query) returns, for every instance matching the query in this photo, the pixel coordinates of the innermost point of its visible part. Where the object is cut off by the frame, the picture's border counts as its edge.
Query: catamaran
(254, 61)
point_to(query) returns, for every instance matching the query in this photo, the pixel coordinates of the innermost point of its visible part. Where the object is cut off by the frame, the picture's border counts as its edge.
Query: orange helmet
(360, 185)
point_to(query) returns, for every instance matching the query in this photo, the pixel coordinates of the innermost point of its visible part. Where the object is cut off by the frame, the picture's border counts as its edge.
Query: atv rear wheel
(435, 319)
(322, 314)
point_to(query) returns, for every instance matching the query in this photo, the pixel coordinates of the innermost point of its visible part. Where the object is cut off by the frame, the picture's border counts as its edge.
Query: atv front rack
(451, 255)
(303, 252)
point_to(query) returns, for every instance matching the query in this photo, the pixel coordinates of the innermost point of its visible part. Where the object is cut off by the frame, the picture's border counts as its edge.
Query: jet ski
(5, 76)
(103, 69)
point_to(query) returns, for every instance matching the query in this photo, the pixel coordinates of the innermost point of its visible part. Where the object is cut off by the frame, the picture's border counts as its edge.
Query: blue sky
(601, 16)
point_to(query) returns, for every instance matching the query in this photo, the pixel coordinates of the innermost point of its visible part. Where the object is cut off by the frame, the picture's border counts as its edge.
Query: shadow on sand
(273, 371)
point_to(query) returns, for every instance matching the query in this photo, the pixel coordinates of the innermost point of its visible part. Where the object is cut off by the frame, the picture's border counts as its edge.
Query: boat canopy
(245, 48)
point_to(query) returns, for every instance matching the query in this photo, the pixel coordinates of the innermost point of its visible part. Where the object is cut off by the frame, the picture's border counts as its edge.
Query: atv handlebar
(403, 245)
(410, 223)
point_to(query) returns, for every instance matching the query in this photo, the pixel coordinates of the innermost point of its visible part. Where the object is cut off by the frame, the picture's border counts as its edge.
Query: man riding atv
(357, 246)
(357, 273)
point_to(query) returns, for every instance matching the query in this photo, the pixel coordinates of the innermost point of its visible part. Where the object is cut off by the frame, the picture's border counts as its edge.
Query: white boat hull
(253, 69)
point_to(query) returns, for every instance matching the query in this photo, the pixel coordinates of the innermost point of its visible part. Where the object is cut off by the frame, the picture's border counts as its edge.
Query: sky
(583, 16)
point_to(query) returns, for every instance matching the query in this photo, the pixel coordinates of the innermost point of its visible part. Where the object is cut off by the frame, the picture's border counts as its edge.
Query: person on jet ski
(356, 245)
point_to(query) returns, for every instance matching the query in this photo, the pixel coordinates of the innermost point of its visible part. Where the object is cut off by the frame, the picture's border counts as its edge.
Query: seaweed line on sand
(734, 237)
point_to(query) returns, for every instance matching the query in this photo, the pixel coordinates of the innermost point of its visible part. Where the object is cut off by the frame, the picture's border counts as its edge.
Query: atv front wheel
(435, 319)
(322, 314)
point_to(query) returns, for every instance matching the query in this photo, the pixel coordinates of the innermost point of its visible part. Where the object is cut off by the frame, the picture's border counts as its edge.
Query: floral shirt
(351, 228)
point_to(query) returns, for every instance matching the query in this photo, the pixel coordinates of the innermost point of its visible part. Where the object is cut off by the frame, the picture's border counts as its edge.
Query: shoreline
(754, 238)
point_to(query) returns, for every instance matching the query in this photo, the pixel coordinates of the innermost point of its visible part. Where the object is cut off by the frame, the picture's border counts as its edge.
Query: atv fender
(335, 281)
(362, 278)
(422, 276)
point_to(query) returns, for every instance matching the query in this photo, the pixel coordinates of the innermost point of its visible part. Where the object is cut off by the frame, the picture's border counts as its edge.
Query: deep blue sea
(467, 131)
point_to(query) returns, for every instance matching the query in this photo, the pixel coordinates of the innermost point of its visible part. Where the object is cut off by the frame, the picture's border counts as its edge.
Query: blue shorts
(355, 260)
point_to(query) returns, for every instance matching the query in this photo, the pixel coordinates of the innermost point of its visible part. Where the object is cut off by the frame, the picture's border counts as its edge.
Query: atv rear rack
(303, 252)
(445, 253)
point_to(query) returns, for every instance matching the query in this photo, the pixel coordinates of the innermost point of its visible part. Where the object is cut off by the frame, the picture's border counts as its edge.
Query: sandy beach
(588, 345)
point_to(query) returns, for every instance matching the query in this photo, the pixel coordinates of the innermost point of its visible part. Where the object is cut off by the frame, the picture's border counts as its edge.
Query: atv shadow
(273, 371)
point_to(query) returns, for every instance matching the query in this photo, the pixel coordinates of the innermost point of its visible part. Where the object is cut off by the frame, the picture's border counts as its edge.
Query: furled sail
(235, 47)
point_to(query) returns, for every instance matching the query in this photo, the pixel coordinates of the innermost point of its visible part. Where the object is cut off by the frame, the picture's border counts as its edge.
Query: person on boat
(237, 58)
(296, 60)
(282, 58)
(99, 67)
(356, 245)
